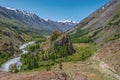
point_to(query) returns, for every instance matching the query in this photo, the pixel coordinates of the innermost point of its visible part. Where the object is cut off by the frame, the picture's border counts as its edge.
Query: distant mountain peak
(27, 13)
(67, 21)
(23, 11)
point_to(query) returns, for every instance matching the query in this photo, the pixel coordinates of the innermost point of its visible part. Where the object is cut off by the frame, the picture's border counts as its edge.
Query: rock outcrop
(59, 42)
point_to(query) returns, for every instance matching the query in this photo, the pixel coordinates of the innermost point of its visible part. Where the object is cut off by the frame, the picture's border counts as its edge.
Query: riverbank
(15, 61)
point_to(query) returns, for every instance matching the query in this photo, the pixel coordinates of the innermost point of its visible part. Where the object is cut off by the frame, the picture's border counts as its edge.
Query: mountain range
(32, 20)
(96, 41)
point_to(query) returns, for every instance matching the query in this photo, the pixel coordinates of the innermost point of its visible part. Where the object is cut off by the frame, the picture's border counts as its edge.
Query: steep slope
(101, 25)
(32, 20)
(98, 18)
(103, 29)
(12, 35)
(9, 41)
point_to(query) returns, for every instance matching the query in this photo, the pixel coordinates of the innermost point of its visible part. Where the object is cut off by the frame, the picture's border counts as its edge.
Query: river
(16, 61)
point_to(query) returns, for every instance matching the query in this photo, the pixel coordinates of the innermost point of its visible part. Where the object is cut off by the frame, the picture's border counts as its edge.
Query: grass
(83, 52)
(95, 74)
(42, 68)
(87, 68)
(80, 36)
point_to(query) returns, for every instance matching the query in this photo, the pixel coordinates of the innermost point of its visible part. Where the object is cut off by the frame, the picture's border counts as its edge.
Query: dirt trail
(105, 68)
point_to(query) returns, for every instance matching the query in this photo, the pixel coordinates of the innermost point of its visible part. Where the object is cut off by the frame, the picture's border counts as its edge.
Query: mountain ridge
(33, 20)
(94, 15)
(102, 28)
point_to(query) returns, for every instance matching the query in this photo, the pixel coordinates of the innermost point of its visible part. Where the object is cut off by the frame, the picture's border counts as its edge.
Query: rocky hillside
(32, 20)
(12, 35)
(99, 18)
(58, 40)
(102, 28)
(9, 41)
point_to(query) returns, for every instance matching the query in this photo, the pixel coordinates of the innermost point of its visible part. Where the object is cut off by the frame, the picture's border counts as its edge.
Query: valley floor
(88, 70)
(91, 69)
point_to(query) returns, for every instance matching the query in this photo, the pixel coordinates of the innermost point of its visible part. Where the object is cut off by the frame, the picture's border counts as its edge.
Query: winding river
(15, 61)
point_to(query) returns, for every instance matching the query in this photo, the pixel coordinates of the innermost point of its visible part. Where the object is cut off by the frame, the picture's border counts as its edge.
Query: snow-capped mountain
(32, 20)
(67, 21)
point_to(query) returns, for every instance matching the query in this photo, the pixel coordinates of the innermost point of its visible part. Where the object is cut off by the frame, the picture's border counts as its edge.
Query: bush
(4, 57)
(29, 62)
(33, 47)
(60, 65)
(14, 69)
(54, 35)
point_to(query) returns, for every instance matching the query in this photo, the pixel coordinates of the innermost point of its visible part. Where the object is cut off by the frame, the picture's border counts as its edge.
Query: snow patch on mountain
(11, 8)
(67, 21)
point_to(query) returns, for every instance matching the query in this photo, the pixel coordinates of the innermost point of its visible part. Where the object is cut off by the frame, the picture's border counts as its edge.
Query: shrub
(33, 47)
(14, 69)
(4, 57)
(29, 62)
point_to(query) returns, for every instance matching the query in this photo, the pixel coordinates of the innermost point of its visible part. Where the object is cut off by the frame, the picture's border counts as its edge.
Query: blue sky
(75, 10)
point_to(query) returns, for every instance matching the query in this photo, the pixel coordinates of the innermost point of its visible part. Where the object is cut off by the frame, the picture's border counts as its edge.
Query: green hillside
(12, 35)
(104, 32)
